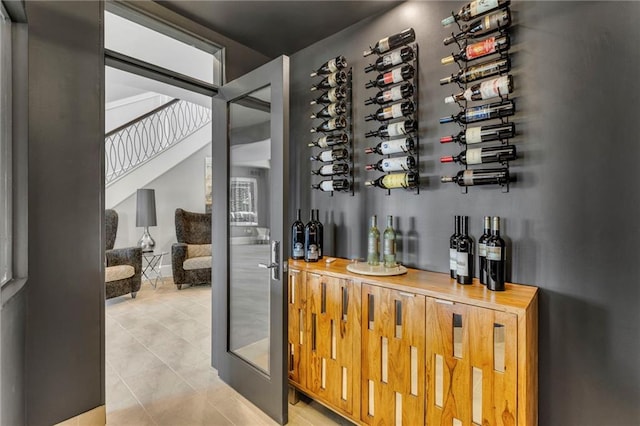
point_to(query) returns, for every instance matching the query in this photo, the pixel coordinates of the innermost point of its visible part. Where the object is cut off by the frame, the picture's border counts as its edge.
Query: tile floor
(158, 365)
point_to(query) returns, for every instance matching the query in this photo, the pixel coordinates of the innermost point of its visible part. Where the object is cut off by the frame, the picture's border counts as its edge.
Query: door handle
(275, 261)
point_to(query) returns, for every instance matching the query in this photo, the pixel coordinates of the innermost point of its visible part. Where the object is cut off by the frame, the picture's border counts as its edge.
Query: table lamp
(146, 217)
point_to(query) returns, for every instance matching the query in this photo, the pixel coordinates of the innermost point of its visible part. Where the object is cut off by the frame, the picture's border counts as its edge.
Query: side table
(152, 266)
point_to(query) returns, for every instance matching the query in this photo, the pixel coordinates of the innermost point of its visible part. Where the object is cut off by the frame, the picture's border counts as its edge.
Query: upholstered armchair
(191, 255)
(123, 271)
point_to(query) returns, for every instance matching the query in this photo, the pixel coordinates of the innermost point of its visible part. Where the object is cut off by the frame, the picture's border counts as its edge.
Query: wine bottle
(479, 134)
(332, 80)
(482, 113)
(482, 250)
(485, 25)
(332, 169)
(394, 146)
(396, 164)
(335, 154)
(401, 91)
(332, 185)
(496, 264)
(486, 90)
(401, 109)
(331, 66)
(464, 258)
(473, 9)
(320, 229)
(394, 129)
(453, 247)
(311, 240)
(486, 154)
(476, 72)
(373, 243)
(480, 49)
(392, 42)
(396, 75)
(331, 140)
(395, 180)
(389, 244)
(479, 177)
(331, 96)
(331, 110)
(297, 238)
(391, 59)
(337, 123)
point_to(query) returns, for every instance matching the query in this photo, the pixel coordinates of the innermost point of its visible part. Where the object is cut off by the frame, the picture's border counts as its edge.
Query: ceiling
(274, 28)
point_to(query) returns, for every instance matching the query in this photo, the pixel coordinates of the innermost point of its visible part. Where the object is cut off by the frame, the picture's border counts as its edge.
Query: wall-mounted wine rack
(334, 163)
(397, 112)
(483, 76)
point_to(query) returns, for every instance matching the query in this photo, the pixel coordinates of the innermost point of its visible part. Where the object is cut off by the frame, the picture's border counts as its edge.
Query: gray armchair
(191, 255)
(123, 272)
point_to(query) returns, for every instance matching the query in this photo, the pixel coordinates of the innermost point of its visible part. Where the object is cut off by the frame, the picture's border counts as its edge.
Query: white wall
(123, 111)
(181, 186)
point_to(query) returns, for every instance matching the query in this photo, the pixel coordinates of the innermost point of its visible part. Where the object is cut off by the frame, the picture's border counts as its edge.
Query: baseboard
(95, 417)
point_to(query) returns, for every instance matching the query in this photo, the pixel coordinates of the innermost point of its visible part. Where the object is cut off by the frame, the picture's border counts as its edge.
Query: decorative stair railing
(139, 140)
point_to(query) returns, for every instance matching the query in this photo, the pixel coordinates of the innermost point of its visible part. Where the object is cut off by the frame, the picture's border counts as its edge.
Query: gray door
(250, 184)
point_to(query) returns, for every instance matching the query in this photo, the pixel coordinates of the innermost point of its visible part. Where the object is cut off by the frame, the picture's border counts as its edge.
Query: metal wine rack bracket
(348, 130)
(414, 116)
(501, 31)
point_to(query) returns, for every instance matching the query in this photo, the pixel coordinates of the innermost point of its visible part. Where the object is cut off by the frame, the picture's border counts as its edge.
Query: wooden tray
(378, 270)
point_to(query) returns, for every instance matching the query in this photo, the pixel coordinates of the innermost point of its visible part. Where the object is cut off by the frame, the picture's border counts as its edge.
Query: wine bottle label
(393, 146)
(478, 7)
(474, 156)
(326, 156)
(395, 129)
(372, 245)
(482, 48)
(331, 124)
(494, 88)
(462, 264)
(482, 250)
(396, 111)
(325, 171)
(494, 253)
(395, 58)
(387, 113)
(482, 70)
(332, 80)
(312, 252)
(322, 142)
(467, 177)
(326, 185)
(389, 246)
(453, 259)
(332, 65)
(331, 110)
(473, 135)
(395, 164)
(478, 113)
(398, 180)
(332, 95)
(397, 75)
(298, 250)
(383, 45)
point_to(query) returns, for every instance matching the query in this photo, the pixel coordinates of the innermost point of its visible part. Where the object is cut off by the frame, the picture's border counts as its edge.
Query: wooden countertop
(515, 298)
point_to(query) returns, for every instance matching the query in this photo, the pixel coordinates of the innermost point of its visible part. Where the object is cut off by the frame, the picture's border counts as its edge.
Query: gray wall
(571, 217)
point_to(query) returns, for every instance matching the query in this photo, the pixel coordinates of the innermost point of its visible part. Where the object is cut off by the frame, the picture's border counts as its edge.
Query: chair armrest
(178, 256)
(125, 256)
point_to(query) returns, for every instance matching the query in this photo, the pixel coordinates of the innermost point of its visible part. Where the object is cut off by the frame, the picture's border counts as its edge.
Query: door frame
(269, 393)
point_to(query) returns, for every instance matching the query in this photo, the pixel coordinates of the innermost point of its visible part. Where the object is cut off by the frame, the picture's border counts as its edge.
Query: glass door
(250, 175)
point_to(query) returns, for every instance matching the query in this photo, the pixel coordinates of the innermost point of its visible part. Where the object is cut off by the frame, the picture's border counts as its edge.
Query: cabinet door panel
(466, 346)
(393, 333)
(296, 296)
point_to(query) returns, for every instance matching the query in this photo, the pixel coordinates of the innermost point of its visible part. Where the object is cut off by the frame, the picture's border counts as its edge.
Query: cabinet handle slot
(323, 298)
(313, 331)
(345, 303)
(398, 328)
(371, 307)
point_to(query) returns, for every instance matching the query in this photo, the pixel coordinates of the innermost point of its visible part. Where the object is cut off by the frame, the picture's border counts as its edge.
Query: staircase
(141, 150)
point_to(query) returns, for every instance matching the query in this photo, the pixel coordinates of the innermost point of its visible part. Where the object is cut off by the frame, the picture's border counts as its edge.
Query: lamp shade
(146, 207)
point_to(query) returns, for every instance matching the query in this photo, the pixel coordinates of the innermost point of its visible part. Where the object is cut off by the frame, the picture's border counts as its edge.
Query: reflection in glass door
(249, 177)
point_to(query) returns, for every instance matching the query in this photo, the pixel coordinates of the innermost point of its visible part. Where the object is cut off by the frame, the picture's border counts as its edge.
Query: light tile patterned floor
(158, 365)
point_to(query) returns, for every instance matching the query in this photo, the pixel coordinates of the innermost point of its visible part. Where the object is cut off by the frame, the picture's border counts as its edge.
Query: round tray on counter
(378, 270)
